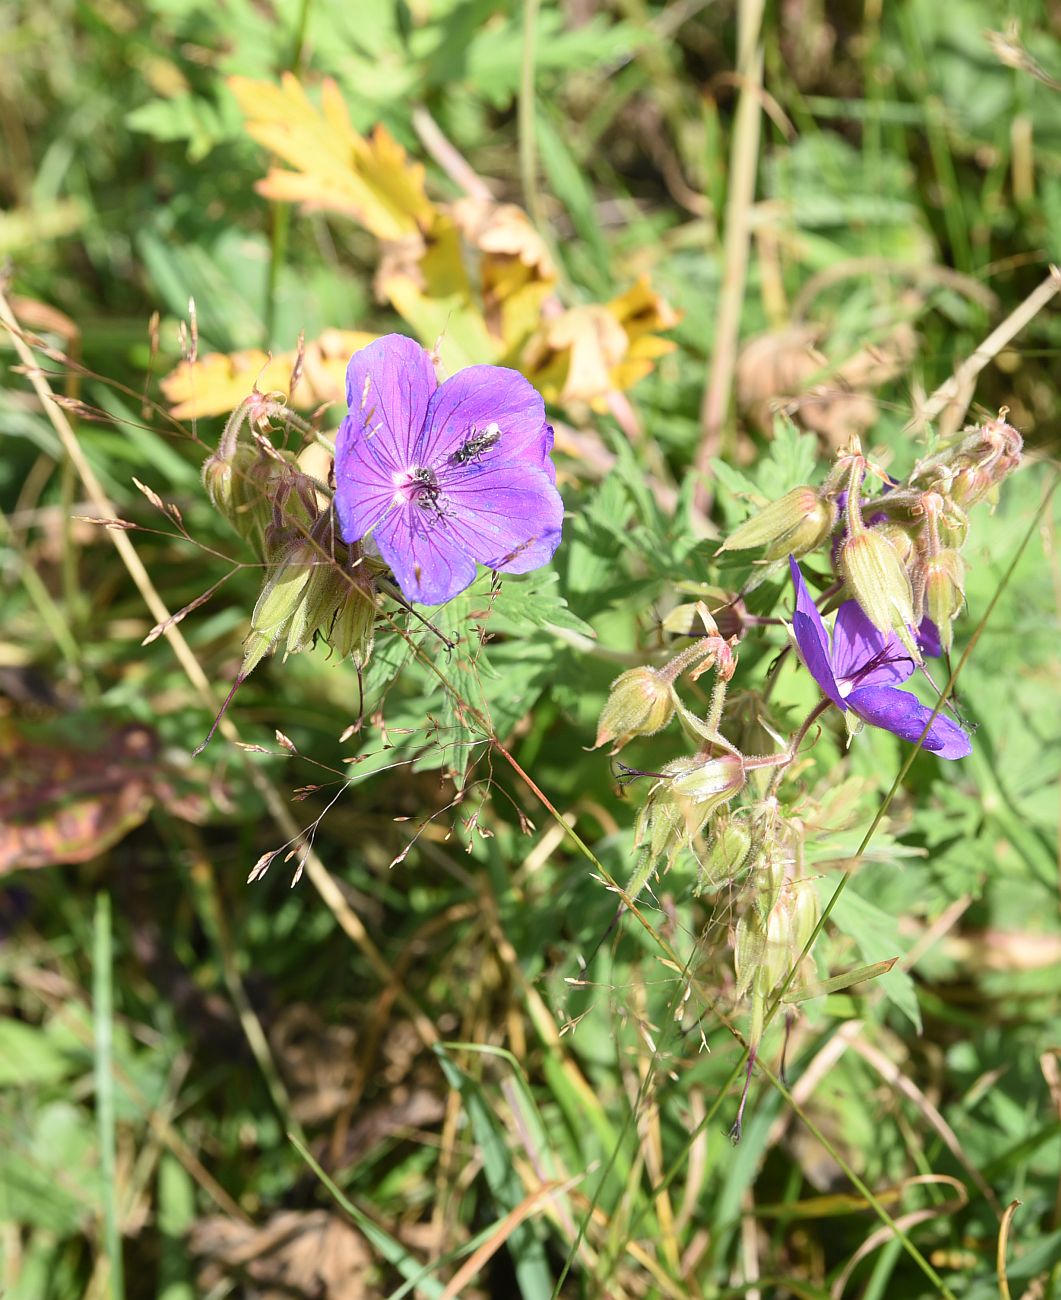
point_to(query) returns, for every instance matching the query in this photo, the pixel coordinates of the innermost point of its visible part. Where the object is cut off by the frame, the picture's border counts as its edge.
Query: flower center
(886, 655)
(419, 486)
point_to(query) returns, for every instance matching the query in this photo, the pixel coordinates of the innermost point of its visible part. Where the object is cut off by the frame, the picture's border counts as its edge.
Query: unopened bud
(899, 538)
(729, 847)
(767, 951)
(315, 612)
(641, 702)
(799, 522)
(353, 632)
(944, 578)
(223, 478)
(874, 572)
(681, 802)
(284, 591)
(970, 485)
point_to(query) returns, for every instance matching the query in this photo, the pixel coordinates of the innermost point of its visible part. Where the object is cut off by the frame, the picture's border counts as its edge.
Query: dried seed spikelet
(641, 702)
(874, 571)
(681, 802)
(944, 579)
(797, 523)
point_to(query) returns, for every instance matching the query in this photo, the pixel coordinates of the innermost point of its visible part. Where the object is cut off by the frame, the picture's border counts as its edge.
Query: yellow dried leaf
(218, 382)
(433, 293)
(335, 168)
(516, 272)
(591, 351)
(642, 313)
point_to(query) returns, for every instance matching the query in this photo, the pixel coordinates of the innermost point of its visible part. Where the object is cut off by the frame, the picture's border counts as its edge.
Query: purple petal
(904, 715)
(865, 655)
(364, 482)
(928, 641)
(812, 639)
(507, 516)
(429, 561)
(389, 384)
(480, 396)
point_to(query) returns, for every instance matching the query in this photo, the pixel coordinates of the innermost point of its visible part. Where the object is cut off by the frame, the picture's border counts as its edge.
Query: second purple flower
(444, 476)
(860, 669)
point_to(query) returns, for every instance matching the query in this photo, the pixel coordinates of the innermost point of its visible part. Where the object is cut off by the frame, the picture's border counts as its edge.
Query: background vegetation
(403, 1066)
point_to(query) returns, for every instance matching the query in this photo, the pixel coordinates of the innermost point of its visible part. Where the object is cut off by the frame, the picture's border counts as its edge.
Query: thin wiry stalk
(744, 161)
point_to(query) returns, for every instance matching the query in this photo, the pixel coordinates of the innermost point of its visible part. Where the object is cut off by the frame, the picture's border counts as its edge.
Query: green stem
(103, 1018)
(528, 145)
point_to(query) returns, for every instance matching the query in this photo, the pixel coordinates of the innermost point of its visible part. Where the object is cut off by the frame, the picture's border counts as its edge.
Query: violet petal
(507, 517)
(428, 559)
(905, 716)
(865, 655)
(812, 639)
(480, 396)
(364, 482)
(928, 641)
(389, 384)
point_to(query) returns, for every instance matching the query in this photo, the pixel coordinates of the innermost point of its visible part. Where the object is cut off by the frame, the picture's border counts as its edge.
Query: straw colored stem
(744, 158)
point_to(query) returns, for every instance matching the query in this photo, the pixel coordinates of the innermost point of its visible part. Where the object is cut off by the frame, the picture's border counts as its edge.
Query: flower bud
(324, 591)
(641, 702)
(799, 522)
(353, 633)
(899, 538)
(874, 572)
(284, 590)
(730, 843)
(767, 949)
(944, 578)
(970, 485)
(682, 800)
(953, 524)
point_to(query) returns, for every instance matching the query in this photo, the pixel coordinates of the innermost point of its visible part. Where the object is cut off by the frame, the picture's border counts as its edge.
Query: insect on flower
(477, 444)
(857, 671)
(412, 468)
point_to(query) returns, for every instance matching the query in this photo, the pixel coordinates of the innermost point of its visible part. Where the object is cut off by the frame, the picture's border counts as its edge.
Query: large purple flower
(444, 475)
(859, 671)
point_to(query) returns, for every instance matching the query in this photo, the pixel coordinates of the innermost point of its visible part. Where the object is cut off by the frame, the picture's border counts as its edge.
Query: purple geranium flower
(444, 475)
(859, 670)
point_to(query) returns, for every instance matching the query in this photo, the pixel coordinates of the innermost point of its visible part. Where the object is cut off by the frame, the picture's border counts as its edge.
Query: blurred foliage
(437, 1020)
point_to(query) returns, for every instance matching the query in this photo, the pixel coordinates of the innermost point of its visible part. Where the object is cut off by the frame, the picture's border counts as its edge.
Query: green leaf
(875, 932)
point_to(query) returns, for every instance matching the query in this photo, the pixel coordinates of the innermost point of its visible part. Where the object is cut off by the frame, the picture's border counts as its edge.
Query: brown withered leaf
(217, 383)
(64, 802)
(335, 168)
(314, 1254)
(786, 371)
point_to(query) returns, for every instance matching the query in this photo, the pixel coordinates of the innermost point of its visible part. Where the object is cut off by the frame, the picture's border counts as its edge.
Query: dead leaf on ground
(77, 790)
(784, 371)
(217, 383)
(60, 803)
(313, 1254)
